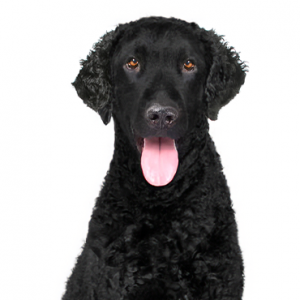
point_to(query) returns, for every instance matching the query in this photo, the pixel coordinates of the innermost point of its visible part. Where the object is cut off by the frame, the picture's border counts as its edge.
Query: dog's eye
(132, 64)
(189, 65)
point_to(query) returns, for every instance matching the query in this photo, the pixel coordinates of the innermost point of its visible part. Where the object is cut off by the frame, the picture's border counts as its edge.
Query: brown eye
(189, 65)
(132, 64)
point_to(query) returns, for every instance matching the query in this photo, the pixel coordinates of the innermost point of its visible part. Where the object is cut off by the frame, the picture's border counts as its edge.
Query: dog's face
(159, 81)
(156, 77)
(159, 78)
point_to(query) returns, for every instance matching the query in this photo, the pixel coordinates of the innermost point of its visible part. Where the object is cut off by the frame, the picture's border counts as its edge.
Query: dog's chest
(157, 242)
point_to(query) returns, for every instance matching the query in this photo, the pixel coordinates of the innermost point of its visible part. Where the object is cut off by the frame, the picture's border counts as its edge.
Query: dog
(163, 226)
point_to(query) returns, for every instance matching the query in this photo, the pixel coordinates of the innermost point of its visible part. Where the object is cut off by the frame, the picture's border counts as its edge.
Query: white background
(55, 151)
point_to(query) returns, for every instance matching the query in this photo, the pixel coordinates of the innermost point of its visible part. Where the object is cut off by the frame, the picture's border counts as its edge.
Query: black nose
(161, 116)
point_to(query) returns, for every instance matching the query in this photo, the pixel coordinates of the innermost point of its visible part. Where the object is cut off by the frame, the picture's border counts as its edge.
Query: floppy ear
(226, 75)
(93, 83)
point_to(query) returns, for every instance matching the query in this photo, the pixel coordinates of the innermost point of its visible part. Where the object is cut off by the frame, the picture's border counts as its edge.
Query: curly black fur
(178, 241)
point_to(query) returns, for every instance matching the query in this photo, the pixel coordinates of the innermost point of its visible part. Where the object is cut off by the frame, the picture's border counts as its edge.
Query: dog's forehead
(155, 40)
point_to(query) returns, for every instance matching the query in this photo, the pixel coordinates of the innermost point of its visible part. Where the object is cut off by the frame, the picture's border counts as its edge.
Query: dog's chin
(159, 159)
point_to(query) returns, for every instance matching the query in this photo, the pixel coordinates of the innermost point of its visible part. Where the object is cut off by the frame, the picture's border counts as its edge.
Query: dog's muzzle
(159, 156)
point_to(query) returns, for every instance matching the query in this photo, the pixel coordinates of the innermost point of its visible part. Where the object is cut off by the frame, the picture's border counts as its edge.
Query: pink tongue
(159, 160)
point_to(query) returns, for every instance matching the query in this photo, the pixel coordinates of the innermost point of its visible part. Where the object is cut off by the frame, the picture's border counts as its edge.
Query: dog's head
(157, 76)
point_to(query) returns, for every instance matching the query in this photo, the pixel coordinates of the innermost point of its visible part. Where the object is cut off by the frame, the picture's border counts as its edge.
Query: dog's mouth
(159, 159)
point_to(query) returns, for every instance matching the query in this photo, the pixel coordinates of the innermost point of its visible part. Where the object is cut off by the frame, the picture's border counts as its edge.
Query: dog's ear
(226, 75)
(93, 83)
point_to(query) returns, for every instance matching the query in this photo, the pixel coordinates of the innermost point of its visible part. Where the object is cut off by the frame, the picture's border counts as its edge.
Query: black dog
(163, 226)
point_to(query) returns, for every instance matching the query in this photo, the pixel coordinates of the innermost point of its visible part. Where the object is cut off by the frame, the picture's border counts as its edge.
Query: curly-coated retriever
(163, 226)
